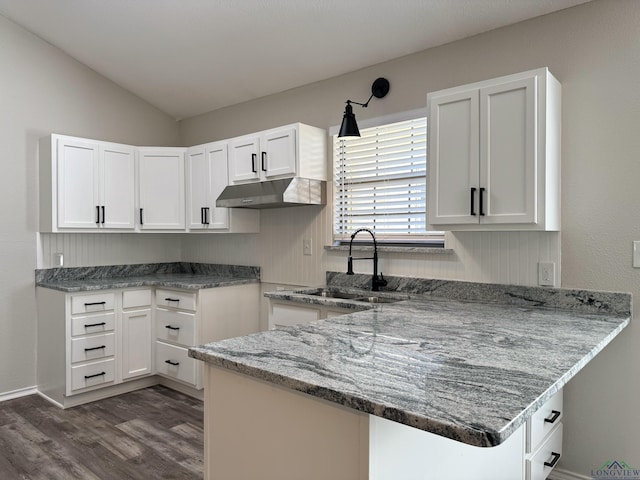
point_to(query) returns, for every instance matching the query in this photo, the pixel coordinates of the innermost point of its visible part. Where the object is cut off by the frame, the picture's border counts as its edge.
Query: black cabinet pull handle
(95, 375)
(202, 215)
(88, 325)
(102, 208)
(481, 201)
(97, 214)
(94, 303)
(171, 362)
(101, 347)
(253, 163)
(556, 456)
(206, 215)
(171, 328)
(264, 161)
(473, 201)
(554, 416)
(141, 222)
(171, 299)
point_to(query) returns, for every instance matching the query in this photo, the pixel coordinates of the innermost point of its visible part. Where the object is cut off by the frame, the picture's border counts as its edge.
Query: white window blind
(380, 181)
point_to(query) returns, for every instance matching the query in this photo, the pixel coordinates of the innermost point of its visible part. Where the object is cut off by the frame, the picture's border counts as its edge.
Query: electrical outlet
(58, 259)
(636, 254)
(306, 246)
(546, 274)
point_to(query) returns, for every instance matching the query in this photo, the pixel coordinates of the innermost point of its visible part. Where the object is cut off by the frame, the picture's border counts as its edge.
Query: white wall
(42, 91)
(594, 50)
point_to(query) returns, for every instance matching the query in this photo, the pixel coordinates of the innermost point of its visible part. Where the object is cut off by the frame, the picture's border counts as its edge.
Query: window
(380, 183)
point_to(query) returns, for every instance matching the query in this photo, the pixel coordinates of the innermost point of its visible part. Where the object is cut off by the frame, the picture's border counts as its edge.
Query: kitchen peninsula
(405, 389)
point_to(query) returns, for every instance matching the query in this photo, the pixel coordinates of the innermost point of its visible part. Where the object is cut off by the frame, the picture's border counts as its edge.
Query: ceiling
(189, 57)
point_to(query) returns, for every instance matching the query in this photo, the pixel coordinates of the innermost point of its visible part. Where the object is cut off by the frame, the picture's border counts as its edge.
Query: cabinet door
(217, 159)
(508, 151)
(162, 200)
(278, 154)
(453, 165)
(198, 187)
(244, 159)
(283, 315)
(78, 177)
(118, 186)
(136, 343)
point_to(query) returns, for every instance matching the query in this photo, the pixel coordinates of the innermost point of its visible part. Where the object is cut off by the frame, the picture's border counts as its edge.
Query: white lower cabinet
(88, 342)
(530, 453)
(187, 318)
(136, 333)
(284, 313)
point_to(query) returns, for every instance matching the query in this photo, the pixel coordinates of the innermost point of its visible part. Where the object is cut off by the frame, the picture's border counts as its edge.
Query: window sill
(391, 249)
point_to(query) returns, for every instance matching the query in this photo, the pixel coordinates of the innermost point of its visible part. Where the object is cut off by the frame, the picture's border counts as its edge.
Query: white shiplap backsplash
(495, 257)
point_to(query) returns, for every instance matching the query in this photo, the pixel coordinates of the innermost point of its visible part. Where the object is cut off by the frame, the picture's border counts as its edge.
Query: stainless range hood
(286, 192)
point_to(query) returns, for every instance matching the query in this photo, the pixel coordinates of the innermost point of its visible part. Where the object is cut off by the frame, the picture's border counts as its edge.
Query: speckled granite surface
(188, 276)
(469, 370)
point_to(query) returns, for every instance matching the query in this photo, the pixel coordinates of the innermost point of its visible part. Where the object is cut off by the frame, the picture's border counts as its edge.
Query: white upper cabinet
(161, 188)
(207, 174)
(86, 185)
(494, 154)
(284, 152)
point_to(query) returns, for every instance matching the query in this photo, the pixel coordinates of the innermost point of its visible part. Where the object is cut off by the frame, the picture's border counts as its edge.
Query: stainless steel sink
(358, 297)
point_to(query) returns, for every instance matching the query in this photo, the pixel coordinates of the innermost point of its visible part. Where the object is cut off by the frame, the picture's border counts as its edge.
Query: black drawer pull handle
(94, 303)
(473, 201)
(171, 362)
(171, 299)
(95, 375)
(171, 328)
(253, 163)
(554, 416)
(95, 348)
(88, 325)
(556, 456)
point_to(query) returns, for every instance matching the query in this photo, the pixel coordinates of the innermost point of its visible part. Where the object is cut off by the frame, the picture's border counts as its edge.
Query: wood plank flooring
(153, 433)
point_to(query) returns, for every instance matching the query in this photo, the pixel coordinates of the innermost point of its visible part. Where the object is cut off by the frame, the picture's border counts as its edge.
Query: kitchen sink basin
(358, 297)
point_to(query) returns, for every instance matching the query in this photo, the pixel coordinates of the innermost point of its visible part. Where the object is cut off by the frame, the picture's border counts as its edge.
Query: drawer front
(176, 299)
(92, 374)
(540, 465)
(176, 327)
(543, 421)
(136, 298)
(93, 324)
(175, 362)
(94, 302)
(93, 347)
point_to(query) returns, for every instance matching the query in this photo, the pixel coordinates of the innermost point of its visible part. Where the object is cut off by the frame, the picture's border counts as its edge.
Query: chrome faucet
(376, 282)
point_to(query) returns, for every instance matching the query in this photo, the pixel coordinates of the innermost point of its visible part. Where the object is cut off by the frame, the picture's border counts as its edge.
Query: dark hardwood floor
(153, 433)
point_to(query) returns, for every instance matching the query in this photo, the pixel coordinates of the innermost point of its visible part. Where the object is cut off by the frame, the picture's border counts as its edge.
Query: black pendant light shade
(349, 127)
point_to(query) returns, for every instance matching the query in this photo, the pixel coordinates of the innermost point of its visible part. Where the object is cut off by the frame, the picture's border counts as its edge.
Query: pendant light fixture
(349, 127)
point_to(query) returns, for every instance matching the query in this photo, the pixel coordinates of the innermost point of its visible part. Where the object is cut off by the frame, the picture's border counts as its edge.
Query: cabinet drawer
(175, 299)
(93, 347)
(542, 422)
(136, 298)
(92, 324)
(176, 327)
(94, 302)
(548, 453)
(284, 315)
(175, 362)
(92, 374)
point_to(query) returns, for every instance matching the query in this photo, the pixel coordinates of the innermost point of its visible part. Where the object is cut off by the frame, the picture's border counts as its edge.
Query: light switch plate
(58, 259)
(306, 246)
(636, 254)
(546, 274)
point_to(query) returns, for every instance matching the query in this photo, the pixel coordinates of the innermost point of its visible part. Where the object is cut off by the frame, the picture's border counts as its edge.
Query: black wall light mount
(349, 127)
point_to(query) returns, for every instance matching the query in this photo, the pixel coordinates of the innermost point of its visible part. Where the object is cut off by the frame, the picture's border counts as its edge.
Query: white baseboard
(560, 474)
(22, 392)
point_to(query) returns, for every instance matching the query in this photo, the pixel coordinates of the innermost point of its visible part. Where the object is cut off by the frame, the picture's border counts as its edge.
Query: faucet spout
(376, 282)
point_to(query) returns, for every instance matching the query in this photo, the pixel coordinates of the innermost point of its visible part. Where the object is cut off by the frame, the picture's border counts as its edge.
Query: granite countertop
(185, 276)
(465, 361)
